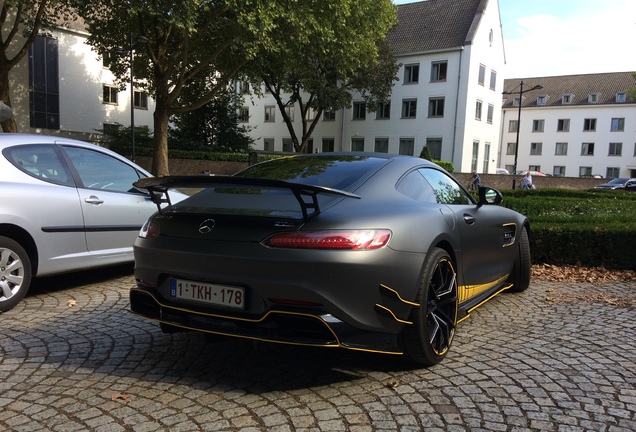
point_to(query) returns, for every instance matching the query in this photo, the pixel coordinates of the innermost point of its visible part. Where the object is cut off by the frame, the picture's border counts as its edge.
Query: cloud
(587, 42)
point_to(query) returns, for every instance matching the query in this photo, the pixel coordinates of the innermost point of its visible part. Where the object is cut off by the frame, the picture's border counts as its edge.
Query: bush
(587, 227)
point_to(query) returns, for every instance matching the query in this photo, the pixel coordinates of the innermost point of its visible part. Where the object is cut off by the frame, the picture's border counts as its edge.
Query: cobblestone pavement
(555, 358)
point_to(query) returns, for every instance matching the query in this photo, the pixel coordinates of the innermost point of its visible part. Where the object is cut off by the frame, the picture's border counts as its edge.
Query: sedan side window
(41, 161)
(446, 189)
(100, 171)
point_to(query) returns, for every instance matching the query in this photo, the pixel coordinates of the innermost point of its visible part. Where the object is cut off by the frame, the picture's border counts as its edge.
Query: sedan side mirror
(490, 196)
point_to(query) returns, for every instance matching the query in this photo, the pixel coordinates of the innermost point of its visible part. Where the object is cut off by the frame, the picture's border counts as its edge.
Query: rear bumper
(309, 328)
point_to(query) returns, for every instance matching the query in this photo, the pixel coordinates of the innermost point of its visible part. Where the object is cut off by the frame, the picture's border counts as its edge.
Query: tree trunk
(160, 141)
(8, 125)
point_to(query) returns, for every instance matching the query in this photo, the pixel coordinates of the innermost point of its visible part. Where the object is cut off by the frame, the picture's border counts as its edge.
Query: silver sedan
(65, 205)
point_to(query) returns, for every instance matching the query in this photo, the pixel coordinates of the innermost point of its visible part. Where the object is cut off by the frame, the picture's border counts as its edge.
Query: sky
(567, 37)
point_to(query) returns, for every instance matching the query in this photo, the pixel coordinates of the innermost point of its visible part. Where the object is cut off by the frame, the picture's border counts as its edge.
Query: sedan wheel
(15, 273)
(428, 339)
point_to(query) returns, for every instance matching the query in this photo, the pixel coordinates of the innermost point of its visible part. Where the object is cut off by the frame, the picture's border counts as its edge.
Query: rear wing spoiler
(306, 195)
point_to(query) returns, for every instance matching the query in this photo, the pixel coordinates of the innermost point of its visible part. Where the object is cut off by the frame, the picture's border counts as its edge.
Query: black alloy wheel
(428, 339)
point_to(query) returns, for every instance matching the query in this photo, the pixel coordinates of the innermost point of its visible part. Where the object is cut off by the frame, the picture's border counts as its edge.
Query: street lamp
(520, 93)
(131, 47)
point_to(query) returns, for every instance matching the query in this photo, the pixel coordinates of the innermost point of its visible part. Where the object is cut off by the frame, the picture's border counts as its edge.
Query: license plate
(202, 292)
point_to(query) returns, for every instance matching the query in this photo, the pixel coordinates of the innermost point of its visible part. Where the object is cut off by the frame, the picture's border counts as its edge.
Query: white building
(63, 88)
(448, 97)
(575, 126)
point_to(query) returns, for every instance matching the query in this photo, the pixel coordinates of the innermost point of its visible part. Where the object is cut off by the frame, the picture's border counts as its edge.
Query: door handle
(469, 219)
(93, 200)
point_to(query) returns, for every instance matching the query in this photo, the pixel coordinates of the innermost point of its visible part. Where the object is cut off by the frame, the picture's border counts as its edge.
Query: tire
(429, 338)
(15, 273)
(520, 276)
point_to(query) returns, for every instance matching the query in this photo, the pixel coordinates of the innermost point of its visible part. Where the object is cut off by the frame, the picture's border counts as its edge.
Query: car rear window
(337, 172)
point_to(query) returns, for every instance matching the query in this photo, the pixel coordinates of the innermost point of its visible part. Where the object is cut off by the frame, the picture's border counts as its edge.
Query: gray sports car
(370, 252)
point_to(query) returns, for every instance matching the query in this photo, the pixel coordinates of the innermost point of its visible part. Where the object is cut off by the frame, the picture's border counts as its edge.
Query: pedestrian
(526, 183)
(474, 181)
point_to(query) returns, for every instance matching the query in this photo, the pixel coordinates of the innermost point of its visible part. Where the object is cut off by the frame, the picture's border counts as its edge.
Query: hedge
(588, 227)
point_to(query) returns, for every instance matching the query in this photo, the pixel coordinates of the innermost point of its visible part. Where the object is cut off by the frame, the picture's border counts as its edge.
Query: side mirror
(490, 196)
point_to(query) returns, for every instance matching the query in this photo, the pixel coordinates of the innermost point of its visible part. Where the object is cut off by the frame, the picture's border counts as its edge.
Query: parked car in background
(502, 171)
(65, 205)
(370, 252)
(533, 173)
(618, 183)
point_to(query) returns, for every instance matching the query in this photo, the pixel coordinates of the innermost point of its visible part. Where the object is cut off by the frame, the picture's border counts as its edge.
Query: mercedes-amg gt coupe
(363, 251)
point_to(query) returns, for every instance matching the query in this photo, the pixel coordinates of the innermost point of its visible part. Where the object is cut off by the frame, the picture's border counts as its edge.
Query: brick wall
(497, 181)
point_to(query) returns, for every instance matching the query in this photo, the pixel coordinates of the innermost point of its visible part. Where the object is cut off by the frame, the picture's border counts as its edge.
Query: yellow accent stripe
(393, 315)
(469, 291)
(399, 296)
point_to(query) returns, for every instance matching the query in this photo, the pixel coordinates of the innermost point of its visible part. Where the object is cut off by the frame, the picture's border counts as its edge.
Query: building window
(537, 125)
(536, 148)
(563, 125)
(510, 148)
(558, 171)
(244, 114)
(516, 101)
(270, 113)
(411, 73)
(534, 168)
(621, 97)
(407, 146)
(566, 99)
(612, 172)
(381, 145)
(438, 71)
(329, 115)
(615, 149)
(486, 157)
(491, 113)
(409, 108)
(589, 125)
(110, 128)
(384, 111)
(592, 98)
(618, 124)
(541, 100)
(475, 156)
(328, 144)
(561, 149)
(493, 79)
(110, 94)
(482, 75)
(357, 144)
(478, 106)
(141, 100)
(268, 144)
(288, 145)
(310, 114)
(44, 92)
(290, 110)
(585, 171)
(512, 126)
(436, 107)
(434, 147)
(359, 110)
(587, 149)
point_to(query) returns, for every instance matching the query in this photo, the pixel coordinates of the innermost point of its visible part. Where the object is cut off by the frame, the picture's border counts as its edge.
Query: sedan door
(113, 209)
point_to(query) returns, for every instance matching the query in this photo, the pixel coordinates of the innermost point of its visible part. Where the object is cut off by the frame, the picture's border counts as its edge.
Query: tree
(213, 127)
(338, 47)
(188, 42)
(20, 23)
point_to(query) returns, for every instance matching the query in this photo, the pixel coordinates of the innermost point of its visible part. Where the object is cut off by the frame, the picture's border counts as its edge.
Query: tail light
(347, 240)
(149, 230)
